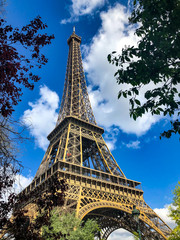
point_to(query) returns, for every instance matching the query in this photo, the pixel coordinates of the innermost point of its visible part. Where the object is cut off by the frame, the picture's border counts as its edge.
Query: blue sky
(103, 26)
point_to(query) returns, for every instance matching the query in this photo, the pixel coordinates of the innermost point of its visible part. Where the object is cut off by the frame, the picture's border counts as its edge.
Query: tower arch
(111, 217)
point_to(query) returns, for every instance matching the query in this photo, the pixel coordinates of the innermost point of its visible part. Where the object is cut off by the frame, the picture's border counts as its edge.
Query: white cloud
(42, 116)
(21, 182)
(111, 144)
(82, 7)
(163, 213)
(110, 137)
(133, 144)
(114, 34)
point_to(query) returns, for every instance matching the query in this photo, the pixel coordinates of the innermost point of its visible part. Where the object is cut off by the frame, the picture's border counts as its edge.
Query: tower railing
(65, 168)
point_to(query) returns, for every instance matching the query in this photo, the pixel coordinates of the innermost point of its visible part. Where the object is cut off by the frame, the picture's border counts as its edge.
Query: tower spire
(75, 101)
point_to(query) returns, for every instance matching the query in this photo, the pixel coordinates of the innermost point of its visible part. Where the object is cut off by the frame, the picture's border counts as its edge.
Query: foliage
(9, 166)
(154, 63)
(16, 68)
(15, 72)
(66, 226)
(21, 227)
(175, 214)
(135, 235)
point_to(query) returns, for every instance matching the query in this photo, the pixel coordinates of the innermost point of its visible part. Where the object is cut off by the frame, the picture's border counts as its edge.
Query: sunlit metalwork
(97, 187)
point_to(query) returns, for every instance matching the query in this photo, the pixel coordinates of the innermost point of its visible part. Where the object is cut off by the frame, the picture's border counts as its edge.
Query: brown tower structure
(97, 187)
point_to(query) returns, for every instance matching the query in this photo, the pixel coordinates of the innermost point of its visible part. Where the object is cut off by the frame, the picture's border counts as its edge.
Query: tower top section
(74, 37)
(75, 101)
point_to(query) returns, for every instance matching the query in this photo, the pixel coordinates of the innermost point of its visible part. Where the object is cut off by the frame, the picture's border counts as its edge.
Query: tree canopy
(16, 67)
(154, 63)
(22, 226)
(66, 226)
(15, 73)
(9, 165)
(175, 214)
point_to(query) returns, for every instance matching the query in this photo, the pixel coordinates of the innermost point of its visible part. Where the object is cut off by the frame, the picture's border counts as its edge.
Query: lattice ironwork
(75, 101)
(97, 187)
(82, 146)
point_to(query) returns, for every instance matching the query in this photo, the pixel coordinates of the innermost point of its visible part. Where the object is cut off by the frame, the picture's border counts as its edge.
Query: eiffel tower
(97, 187)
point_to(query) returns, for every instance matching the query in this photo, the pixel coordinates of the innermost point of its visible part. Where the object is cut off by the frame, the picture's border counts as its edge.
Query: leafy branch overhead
(154, 62)
(16, 68)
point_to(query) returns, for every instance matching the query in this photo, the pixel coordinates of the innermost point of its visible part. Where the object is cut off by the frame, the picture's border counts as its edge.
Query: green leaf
(119, 94)
(147, 95)
(160, 109)
(134, 116)
(127, 59)
(136, 91)
(116, 73)
(124, 94)
(109, 58)
(131, 102)
(137, 102)
(157, 112)
(175, 90)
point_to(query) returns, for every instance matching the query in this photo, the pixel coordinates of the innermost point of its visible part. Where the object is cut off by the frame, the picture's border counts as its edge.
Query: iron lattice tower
(97, 187)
